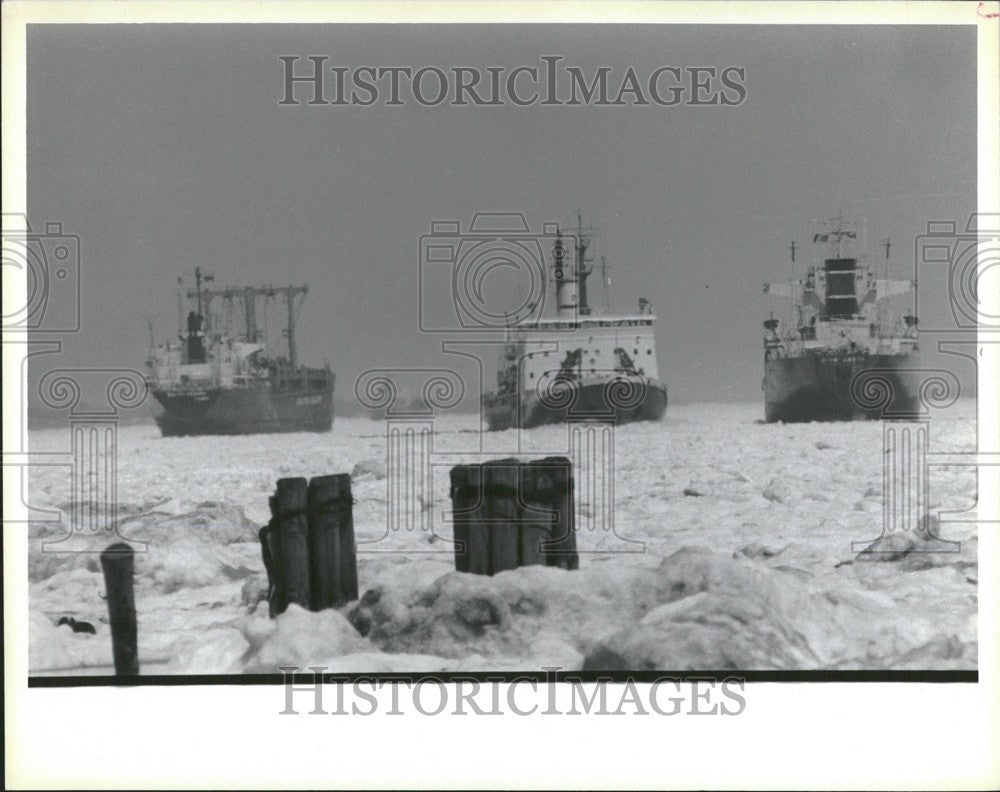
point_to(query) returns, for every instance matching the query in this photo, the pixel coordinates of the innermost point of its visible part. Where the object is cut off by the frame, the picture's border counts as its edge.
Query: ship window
(635, 351)
(593, 371)
(649, 351)
(531, 375)
(591, 360)
(545, 354)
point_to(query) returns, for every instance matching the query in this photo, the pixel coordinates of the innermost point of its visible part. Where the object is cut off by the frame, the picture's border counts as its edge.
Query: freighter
(578, 365)
(843, 325)
(217, 380)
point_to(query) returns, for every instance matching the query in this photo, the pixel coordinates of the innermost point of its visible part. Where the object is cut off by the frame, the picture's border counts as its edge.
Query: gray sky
(164, 146)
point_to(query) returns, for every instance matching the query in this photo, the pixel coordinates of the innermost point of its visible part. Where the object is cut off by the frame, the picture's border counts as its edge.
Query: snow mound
(298, 638)
(722, 613)
(368, 468)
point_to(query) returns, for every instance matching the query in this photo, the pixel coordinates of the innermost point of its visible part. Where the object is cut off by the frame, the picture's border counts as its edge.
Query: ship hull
(817, 387)
(645, 401)
(232, 411)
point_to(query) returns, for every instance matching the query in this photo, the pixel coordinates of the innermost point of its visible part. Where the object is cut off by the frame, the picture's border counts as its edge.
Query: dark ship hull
(305, 406)
(816, 386)
(594, 401)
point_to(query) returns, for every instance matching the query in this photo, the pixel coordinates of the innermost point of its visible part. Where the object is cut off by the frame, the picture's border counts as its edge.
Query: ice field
(731, 547)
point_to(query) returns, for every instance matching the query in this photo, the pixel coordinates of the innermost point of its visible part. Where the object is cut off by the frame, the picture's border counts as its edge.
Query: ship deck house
(545, 346)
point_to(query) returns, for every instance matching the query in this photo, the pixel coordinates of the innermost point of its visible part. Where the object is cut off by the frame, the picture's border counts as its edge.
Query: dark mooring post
(561, 548)
(289, 544)
(333, 571)
(504, 530)
(118, 563)
(265, 535)
(470, 509)
(536, 512)
(464, 499)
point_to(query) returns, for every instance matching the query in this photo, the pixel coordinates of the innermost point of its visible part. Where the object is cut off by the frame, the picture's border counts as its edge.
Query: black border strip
(305, 676)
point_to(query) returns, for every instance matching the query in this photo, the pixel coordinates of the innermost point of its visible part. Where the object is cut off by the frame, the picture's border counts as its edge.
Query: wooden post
(536, 512)
(465, 496)
(470, 505)
(561, 548)
(290, 544)
(502, 497)
(267, 545)
(117, 561)
(333, 573)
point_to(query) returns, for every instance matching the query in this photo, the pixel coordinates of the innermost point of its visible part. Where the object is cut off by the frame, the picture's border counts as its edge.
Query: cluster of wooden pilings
(506, 514)
(308, 546)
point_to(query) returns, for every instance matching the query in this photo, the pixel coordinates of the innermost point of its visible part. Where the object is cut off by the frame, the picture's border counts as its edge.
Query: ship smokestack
(195, 343)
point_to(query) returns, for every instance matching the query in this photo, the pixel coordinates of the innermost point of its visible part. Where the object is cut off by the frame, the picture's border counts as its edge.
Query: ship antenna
(607, 283)
(180, 307)
(791, 279)
(887, 244)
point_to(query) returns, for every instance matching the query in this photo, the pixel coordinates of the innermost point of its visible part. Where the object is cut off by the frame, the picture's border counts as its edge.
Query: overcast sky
(164, 146)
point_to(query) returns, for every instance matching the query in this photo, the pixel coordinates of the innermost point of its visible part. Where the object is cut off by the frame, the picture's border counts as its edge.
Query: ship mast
(248, 295)
(582, 272)
(290, 293)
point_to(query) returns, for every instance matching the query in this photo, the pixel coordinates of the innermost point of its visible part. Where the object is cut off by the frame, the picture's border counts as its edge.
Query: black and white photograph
(574, 360)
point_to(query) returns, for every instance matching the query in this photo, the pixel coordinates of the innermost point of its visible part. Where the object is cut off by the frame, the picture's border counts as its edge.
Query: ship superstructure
(843, 323)
(219, 377)
(580, 364)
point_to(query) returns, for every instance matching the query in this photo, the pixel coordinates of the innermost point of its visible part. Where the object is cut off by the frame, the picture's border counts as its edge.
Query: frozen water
(730, 547)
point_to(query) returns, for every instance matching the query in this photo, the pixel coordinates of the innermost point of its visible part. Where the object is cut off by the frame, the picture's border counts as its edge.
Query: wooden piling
(118, 564)
(502, 498)
(267, 545)
(472, 513)
(560, 550)
(536, 513)
(333, 572)
(290, 547)
(465, 496)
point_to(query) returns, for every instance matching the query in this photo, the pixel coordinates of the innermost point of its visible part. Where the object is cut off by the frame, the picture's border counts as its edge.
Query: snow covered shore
(731, 548)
